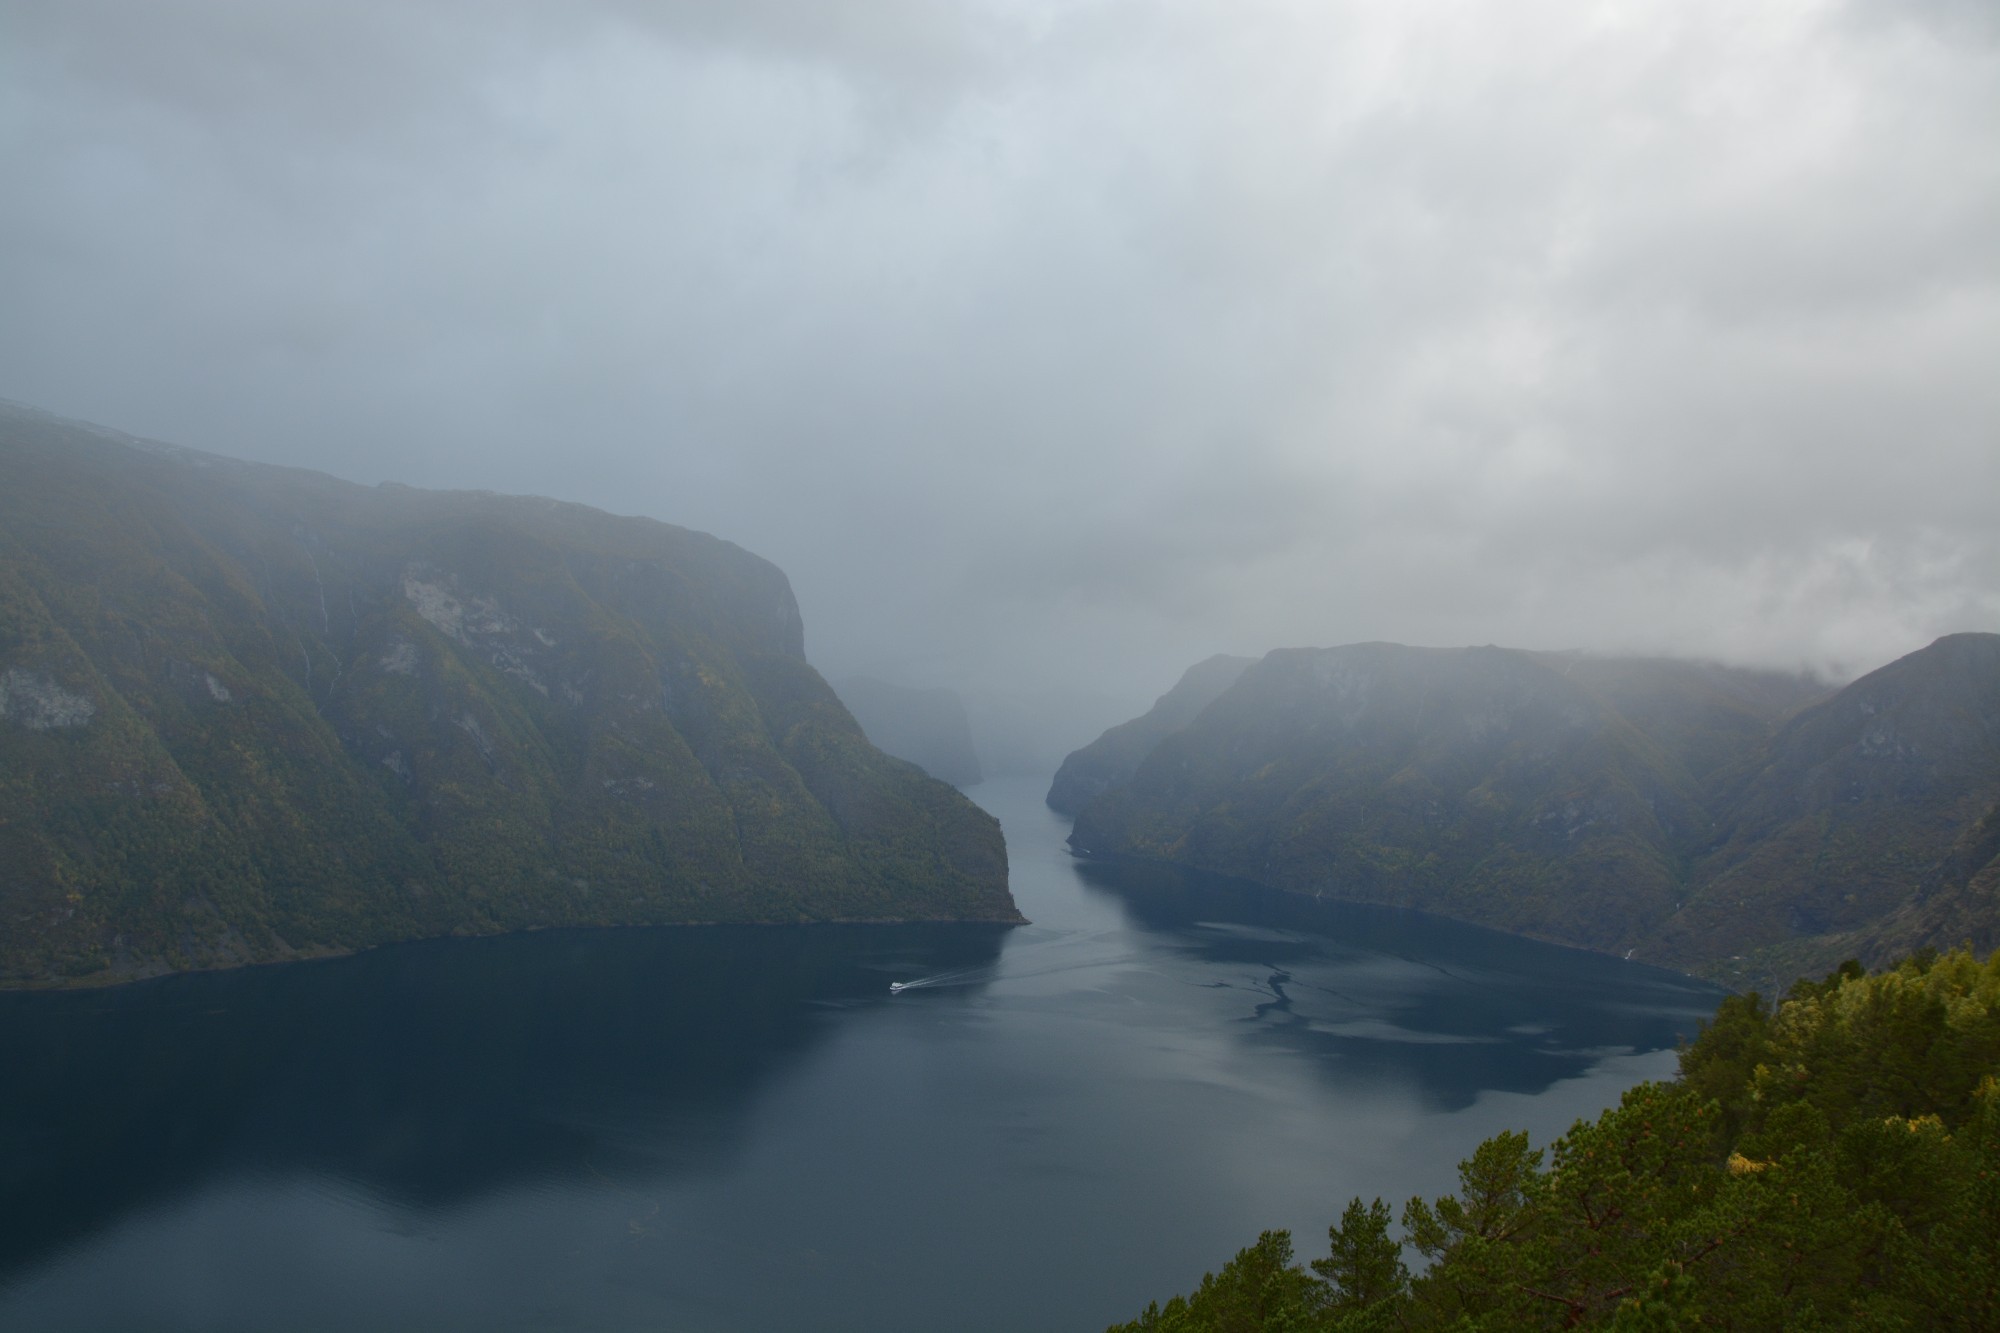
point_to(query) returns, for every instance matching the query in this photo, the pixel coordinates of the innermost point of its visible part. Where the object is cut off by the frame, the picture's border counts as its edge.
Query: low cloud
(1076, 342)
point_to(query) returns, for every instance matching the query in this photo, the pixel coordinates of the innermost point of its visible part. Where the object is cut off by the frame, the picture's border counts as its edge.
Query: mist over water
(1050, 348)
(743, 1129)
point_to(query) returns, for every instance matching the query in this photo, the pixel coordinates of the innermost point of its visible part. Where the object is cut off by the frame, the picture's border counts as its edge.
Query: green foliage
(1115, 756)
(1725, 821)
(1260, 1289)
(294, 716)
(1863, 829)
(1485, 784)
(1833, 1163)
(1364, 1264)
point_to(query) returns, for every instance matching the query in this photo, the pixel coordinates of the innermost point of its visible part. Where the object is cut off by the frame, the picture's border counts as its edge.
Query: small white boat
(896, 987)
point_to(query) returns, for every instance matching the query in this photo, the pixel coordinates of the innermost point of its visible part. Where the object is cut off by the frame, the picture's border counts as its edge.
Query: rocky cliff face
(1749, 825)
(251, 713)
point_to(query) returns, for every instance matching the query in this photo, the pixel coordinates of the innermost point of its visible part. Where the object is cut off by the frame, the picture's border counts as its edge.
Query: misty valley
(999, 666)
(741, 1128)
(447, 910)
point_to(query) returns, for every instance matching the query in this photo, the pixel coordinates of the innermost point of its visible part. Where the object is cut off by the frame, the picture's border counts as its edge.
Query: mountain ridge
(250, 713)
(1113, 757)
(1749, 825)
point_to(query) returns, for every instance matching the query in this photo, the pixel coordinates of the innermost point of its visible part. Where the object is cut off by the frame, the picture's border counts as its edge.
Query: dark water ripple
(741, 1129)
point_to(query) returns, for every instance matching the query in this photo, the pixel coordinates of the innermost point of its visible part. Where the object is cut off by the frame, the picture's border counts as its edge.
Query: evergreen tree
(1830, 1164)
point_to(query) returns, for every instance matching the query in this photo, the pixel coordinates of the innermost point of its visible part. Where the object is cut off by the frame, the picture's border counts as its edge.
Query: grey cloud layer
(1085, 338)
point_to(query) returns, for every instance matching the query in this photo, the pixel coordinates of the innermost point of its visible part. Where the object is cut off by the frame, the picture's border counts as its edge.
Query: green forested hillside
(1832, 1163)
(1866, 827)
(1751, 826)
(1488, 784)
(250, 713)
(1112, 758)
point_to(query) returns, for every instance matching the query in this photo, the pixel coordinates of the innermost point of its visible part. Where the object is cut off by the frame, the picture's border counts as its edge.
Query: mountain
(1485, 784)
(251, 713)
(926, 727)
(1868, 826)
(1749, 825)
(1704, 716)
(1113, 757)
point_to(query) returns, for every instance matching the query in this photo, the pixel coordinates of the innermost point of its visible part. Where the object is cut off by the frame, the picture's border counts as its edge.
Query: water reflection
(1369, 994)
(744, 1130)
(426, 1074)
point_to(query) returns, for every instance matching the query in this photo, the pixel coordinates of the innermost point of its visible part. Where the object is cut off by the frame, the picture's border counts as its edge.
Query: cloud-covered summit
(1081, 340)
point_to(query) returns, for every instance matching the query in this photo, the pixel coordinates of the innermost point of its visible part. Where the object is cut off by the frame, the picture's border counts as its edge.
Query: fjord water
(743, 1129)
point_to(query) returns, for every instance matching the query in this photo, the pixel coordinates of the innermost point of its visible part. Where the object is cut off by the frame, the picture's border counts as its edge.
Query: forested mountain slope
(1866, 826)
(1749, 825)
(1112, 758)
(250, 712)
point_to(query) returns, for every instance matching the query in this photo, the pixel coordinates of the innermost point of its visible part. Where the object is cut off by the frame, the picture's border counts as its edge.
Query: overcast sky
(1077, 340)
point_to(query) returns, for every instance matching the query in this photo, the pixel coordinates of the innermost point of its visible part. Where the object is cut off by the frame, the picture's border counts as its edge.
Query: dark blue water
(741, 1129)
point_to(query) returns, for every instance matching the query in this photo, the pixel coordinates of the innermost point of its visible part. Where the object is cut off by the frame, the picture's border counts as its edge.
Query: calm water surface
(741, 1129)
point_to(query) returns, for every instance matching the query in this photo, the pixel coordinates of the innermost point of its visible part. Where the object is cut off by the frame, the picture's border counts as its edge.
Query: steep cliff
(250, 713)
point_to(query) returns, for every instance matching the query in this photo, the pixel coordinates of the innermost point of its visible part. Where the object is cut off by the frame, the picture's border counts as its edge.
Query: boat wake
(967, 976)
(1035, 960)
